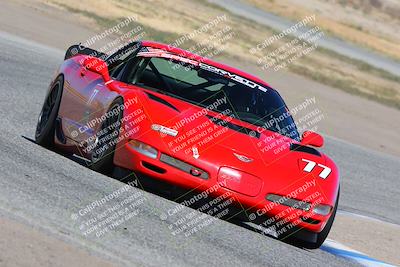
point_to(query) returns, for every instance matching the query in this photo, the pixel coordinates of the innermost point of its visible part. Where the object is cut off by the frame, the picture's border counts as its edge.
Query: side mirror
(98, 66)
(310, 138)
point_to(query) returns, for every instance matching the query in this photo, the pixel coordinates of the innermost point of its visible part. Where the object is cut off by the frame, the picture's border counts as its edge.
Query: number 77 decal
(310, 166)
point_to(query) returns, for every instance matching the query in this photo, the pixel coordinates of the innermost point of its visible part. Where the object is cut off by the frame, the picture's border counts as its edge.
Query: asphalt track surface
(339, 46)
(45, 189)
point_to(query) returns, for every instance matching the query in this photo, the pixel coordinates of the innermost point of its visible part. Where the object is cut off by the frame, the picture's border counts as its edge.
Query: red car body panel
(86, 97)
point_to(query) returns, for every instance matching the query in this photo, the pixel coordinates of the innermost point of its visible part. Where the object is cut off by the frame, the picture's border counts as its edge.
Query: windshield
(225, 92)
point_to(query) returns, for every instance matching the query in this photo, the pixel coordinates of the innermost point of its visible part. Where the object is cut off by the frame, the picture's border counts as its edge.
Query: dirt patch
(369, 23)
(352, 231)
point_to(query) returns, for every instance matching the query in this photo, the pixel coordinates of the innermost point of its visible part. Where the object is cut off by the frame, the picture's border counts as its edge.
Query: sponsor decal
(163, 54)
(164, 130)
(151, 52)
(232, 76)
(310, 166)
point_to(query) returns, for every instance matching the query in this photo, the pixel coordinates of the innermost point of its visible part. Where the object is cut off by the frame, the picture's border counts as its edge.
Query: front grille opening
(289, 202)
(310, 221)
(183, 166)
(153, 167)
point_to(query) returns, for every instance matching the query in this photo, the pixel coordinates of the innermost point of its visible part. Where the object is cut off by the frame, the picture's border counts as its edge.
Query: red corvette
(195, 123)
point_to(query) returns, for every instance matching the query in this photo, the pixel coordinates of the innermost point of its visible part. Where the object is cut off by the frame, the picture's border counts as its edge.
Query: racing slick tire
(45, 128)
(321, 236)
(102, 155)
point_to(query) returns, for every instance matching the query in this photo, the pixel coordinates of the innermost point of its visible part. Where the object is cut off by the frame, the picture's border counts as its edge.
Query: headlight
(322, 209)
(239, 181)
(143, 148)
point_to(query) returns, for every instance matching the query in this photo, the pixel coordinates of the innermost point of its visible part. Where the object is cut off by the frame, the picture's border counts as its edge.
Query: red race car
(189, 121)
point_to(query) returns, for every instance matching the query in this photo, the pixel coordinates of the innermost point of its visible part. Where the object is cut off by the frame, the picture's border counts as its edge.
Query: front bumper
(257, 208)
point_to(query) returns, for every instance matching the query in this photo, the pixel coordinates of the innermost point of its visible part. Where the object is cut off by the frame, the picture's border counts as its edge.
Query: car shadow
(237, 215)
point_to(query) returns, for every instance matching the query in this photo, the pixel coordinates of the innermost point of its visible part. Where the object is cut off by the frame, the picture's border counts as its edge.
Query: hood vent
(234, 127)
(305, 149)
(162, 101)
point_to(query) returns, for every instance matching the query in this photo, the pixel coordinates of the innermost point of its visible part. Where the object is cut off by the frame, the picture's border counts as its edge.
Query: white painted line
(336, 248)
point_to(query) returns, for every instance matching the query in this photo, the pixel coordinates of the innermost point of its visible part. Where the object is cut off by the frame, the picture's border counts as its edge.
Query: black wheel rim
(47, 109)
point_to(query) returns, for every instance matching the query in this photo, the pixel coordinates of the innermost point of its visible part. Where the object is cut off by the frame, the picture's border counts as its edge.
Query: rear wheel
(102, 155)
(45, 128)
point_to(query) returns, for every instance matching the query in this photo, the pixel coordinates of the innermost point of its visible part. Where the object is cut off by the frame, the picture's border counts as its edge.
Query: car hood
(217, 138)
(210, 141)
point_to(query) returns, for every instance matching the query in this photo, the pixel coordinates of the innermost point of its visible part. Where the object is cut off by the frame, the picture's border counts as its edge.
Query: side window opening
(114, 72)
(133, 68)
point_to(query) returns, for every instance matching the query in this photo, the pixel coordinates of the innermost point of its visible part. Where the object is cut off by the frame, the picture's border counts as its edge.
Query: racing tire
(102, 155)
(321, 236)
(45, 128)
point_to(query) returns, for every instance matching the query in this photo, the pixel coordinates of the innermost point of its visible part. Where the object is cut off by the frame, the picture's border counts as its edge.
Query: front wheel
(102, 155)
(45, 128)
(321, 236)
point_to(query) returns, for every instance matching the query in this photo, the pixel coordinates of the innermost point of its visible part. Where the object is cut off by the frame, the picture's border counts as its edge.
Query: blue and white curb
(343, 251)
